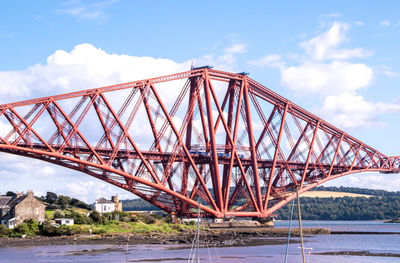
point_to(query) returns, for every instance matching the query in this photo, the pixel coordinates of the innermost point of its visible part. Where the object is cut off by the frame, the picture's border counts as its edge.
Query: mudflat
(210, 237)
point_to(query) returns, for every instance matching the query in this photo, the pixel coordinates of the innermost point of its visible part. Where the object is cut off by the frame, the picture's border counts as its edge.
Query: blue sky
(338, 59)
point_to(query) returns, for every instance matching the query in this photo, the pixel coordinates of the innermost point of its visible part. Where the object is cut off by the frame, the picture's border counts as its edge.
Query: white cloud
(350, 110)
(388, 182)
(47, 171)
(386, 70)
(326, 78)
(269, 60)
(85, 67)
(385, 23)
(6, 35)
(325, 72)
(225, 61)
(237, 48)
(332, 15)
(359, 23)
(95, 11)
(325, 46)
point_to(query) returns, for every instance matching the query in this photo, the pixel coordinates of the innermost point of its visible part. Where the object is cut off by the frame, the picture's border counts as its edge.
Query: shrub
(29, 227)
(99, 231)
(119, 216)
(96, 217)
(149, 220)
(177, 227)
(106, 217)
(4, 231)
(71, 230)
(168, 219)
(157, 216)
(33, 226)
(81, 204)
(59, 214)
(47, 229)
(50, 230)
(79, 218)
(191, 223)
(21, 229)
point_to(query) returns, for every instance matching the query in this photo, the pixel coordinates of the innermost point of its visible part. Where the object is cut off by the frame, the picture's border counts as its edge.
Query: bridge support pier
(264, 221)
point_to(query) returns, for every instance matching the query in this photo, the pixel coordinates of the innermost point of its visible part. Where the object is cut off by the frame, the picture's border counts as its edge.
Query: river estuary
(343, 248)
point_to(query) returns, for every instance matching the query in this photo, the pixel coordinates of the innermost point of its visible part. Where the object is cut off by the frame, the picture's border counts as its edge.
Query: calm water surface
(373, 246)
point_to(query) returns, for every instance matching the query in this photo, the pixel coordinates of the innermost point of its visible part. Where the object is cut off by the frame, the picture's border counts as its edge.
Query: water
(356, 248)
(355, 226)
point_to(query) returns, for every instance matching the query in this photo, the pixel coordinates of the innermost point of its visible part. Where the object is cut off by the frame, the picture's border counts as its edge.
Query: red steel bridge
(204, 136)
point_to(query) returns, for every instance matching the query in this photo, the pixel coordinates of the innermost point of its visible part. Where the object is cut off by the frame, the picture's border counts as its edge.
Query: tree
(95, 216)
(63, 201)
(10, 193)
(51, 198)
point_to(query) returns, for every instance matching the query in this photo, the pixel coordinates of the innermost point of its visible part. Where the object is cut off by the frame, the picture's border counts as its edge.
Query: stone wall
(28, 208)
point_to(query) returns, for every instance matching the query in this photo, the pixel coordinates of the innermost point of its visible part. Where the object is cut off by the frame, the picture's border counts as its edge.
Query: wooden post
(300, 227)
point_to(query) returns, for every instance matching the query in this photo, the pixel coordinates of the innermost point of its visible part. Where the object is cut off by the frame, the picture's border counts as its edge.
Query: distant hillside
(356, 190)
(375, 205)
(328, 194)
(331, 203)
(137, 205)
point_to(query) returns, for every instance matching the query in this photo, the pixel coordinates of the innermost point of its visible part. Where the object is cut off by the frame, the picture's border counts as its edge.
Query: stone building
(103, 205)
(16, 209)
(118, 204)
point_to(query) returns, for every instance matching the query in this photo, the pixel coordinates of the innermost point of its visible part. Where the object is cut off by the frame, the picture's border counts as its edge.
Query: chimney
(29, 193)
(114, 198)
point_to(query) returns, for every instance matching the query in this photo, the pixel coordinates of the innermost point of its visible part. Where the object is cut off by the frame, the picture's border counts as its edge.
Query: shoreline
(217, 237)
(210, 237)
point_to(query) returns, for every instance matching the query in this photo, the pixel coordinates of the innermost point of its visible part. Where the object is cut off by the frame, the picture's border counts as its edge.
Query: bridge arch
(226, 142)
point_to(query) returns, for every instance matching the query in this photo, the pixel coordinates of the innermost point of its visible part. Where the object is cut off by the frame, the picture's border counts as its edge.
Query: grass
(111, 227)
(50, 214)
(139, 227)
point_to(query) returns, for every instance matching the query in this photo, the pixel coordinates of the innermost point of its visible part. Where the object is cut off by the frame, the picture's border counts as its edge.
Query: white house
(64, 221)
(103, 205)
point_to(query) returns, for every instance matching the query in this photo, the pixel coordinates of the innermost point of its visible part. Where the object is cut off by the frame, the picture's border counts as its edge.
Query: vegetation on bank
(54, 201)
(382, 205)
(94, 223)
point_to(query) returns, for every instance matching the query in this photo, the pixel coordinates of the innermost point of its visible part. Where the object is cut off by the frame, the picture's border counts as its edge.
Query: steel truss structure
(202, 136)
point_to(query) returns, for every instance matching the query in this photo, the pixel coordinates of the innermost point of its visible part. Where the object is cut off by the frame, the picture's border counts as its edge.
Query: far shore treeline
(379, 205)
(382, 205)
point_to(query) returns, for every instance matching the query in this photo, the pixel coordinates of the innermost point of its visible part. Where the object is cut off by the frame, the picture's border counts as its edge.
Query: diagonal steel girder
(204, 136)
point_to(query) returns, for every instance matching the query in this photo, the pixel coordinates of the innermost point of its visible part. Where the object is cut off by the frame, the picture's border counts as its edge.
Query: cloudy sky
(339, 60)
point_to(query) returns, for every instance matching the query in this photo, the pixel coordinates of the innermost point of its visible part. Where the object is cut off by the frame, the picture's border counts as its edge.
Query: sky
(337, 59)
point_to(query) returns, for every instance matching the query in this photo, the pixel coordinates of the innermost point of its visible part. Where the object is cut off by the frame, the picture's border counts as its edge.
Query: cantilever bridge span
(204, 136)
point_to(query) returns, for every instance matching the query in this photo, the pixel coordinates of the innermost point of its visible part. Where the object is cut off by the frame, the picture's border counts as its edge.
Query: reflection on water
(363, 248)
